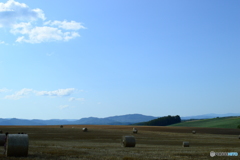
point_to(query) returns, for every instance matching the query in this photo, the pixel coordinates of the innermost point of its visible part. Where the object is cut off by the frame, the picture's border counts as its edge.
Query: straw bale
(128, 141)
(135, 130)
(185, 144)
(2, 139)
(61, 126)
(193, 132)
(17, 145)
(84, 129)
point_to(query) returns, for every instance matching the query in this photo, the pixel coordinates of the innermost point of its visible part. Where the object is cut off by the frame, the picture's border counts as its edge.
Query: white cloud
(43, 34)
(12, 12)
(66, 25)
(76, 99)
(59, 92)
(4, 90)
(22, 28)
(64, 106)
(19, 17)
(20, 94)
(25, 91)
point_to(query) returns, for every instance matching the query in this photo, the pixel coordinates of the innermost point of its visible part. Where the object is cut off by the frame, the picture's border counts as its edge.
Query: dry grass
(103, 143)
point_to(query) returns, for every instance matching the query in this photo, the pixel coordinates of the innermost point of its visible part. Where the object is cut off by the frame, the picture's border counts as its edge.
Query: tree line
(162, 121)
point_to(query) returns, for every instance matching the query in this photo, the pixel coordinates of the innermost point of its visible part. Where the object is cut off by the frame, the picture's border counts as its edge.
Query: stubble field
(103, 142)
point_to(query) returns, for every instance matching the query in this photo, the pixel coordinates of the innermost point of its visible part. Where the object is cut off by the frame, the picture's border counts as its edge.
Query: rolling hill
(224, 122)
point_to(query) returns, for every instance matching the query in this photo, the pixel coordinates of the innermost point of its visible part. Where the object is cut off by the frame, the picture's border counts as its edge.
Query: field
(225, 122)
(103, 142)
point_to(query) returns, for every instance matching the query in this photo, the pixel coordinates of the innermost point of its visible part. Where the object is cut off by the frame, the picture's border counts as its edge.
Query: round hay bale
(17, 145)
(84, 129)
(185, 144)
(135, 130)
(61, 126)
(2, 139)
(128, 141)
(193, 132)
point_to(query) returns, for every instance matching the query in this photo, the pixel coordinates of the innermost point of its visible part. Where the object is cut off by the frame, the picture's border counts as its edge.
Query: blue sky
(75, 59)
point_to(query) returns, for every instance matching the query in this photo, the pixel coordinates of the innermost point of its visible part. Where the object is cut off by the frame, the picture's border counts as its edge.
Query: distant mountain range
(114, 120)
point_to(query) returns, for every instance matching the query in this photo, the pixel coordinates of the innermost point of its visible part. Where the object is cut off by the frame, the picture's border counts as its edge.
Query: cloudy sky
(82, 58)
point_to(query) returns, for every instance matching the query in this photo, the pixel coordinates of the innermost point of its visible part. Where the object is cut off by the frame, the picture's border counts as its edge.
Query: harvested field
(104, 142)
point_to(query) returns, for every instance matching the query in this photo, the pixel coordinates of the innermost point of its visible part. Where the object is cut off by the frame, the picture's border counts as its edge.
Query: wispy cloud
(50, 54)
(19, 94)
(5, 89)
(19, 18)
(75, 99)
(2, 42)
(41, 34)
(25, 92)
(66, 25)
(64, 106)
(59, 92)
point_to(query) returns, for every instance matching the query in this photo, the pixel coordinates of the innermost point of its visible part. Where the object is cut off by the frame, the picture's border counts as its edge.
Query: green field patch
(226, 122)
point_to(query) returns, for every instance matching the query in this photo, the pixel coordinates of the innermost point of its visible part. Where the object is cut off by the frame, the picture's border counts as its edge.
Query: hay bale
(2, 139)
(185, 144)
(135, 130)
(61, 126)
(128, 141)
(17, 145)
(84, 129)
(193, 132)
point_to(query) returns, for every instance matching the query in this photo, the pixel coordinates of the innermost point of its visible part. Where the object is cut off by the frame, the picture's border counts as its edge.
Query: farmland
(224, 122)
(103, 142)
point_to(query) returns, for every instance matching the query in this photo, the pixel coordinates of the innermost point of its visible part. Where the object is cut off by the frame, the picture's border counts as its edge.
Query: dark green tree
(162, 121)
